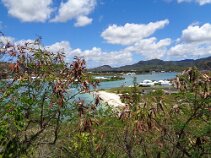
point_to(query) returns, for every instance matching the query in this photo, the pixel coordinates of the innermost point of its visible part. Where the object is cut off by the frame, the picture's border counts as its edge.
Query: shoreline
(112, 99)
(112, 96)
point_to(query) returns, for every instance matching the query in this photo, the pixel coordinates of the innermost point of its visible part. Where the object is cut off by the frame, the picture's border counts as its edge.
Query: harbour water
(139, 78)
(127, 82)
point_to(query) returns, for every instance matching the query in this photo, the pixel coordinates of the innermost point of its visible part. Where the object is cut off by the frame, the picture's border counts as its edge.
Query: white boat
(146, 83)
(165, 82)
(131, 73)
(100, 78)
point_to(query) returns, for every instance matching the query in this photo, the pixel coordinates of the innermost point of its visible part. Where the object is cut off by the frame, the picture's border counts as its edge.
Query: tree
(35, 97)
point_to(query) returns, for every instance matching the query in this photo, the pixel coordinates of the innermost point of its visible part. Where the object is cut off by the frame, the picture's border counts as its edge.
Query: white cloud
(200, 2)
(29, 10)
(151, 48)
(136, 38)
(63, 46)
(195, 42)
(94, 57)
(97, 57)
(6, 39)
(131, 33)
(190, 50)
(195, 33)
(82, 21)
(75, 9)
(42, 10)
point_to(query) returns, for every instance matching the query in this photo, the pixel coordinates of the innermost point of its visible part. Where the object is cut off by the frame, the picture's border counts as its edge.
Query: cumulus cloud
(82, 21)
(97, 57)
(131, 33)
(151, 48)
(200, 2)
(195, 42)
(75, 9)
(42, 10)
(136, 38)
(195, 33)
(94, 56)
(63, 46)
(190, 50)
(29, 10)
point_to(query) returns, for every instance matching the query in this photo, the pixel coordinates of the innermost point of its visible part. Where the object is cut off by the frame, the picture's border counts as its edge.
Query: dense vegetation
(41, 118)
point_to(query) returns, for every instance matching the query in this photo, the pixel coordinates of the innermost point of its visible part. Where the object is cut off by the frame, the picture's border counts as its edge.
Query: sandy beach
(111, 98)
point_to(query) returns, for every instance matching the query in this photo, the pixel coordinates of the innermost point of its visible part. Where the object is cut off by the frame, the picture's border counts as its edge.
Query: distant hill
(158, 65)
(103, 68)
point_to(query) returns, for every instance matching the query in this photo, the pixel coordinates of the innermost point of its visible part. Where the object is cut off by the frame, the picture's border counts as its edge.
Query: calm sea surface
(139, 78)
(126, 82)
(129, 81)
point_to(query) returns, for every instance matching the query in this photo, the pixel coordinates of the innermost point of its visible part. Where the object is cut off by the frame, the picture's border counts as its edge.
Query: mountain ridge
(158, 65)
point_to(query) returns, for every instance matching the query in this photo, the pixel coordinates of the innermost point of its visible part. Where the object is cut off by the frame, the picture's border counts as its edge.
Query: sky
(112, 32)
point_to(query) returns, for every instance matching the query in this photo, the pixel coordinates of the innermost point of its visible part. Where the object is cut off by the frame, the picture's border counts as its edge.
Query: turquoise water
(127, 82)
(139, 78)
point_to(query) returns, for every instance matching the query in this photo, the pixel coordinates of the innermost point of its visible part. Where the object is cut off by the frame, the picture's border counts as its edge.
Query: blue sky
(114, 32)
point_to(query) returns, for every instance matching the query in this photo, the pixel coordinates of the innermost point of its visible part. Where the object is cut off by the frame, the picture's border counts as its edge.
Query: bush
(41, 118)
